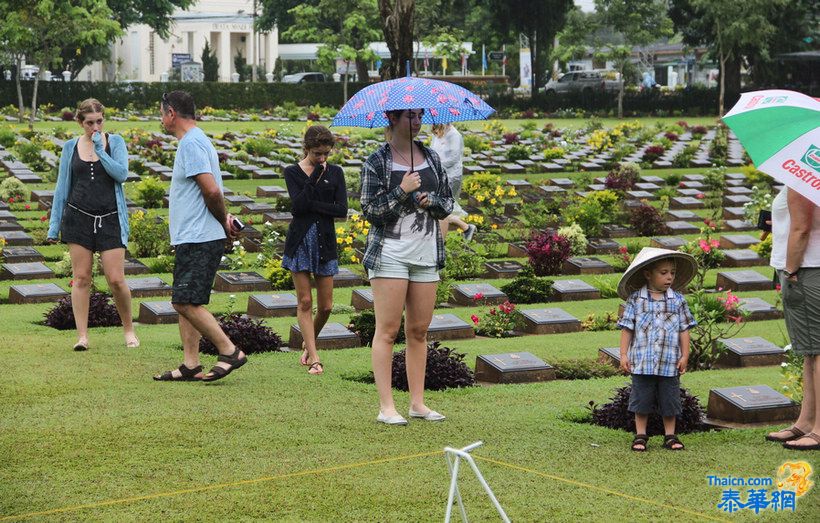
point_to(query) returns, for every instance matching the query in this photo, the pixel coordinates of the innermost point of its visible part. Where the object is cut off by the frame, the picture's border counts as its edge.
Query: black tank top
(92, 190)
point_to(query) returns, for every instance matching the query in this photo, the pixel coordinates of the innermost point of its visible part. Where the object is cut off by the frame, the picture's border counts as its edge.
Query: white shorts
(391, 268)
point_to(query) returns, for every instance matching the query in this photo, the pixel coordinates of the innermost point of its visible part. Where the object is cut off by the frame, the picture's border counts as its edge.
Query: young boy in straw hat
(655, 337)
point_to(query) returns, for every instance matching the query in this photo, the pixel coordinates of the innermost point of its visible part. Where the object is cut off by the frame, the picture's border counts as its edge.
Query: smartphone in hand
(762, 218)
(237, 225)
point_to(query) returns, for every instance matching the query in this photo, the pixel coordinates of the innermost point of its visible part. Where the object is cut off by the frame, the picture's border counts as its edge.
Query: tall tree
(640, 22)
(539, 21)
(210, 63)
(398, 28)
(732, 30)
(346, 29)
(276, 13)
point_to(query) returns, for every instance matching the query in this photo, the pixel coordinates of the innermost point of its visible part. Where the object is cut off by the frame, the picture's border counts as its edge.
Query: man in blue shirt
(199, 226)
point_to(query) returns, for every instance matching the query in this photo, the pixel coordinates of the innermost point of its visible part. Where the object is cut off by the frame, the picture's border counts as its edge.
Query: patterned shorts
(194, 271)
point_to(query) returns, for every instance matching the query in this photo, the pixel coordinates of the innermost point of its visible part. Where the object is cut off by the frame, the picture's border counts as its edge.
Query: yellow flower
(512, 192)
(348, 249)
(499, 191)
(494, 226)
(493, 201)
(340, 230)
(365, 231)
(349, 240)
(479, 197)
(354, 218)
(339, 241)
(354, 259)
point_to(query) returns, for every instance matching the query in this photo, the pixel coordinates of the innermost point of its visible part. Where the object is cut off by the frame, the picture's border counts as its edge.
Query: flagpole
(504, 60)
(483, 60)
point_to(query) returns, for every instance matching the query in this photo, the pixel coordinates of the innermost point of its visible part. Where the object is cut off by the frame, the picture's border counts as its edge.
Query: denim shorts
(391, 268)
(655, 394)
(195, 268)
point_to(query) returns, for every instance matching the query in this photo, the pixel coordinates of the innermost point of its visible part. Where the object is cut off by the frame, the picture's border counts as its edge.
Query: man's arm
(215, 201)
(801, 210)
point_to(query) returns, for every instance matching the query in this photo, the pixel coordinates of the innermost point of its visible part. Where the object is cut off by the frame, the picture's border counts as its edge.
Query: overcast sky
(586, 5)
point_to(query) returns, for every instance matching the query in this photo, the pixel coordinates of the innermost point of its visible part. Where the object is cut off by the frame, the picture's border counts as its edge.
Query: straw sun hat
(633, 279)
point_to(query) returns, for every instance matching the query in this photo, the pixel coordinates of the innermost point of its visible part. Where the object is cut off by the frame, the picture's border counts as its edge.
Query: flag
(483, 59)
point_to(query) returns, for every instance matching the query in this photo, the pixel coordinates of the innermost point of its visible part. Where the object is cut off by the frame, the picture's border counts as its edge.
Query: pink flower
(492, 311)
(700, 196)
(474, 318)
(682, 184)
(43, 218)
(478, 296)
(714, 243)
(28, 207)
(777, 287)
(704, 246)
(622, 249)
(11, 199)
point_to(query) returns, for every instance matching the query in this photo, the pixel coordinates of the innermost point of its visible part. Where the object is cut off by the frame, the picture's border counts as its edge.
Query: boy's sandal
(217, 372)
(811, 435)
(640, 441)
(186, 374)
(316, 368)
(670, 440)
(794, 433)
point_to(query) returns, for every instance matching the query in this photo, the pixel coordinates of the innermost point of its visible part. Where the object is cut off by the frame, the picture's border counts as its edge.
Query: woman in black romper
(90, 215)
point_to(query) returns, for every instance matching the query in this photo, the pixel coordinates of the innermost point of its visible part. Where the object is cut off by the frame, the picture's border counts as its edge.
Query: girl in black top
(317, 195)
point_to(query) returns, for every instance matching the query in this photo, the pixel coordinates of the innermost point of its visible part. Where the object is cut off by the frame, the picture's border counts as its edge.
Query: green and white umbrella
(781, 132)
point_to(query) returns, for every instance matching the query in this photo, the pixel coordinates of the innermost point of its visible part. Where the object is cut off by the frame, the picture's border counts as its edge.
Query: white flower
(223, 259)
(784, 364)
(788, 347)
(236, 243)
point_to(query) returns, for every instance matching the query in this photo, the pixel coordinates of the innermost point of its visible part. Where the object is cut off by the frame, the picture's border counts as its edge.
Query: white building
(227, 25)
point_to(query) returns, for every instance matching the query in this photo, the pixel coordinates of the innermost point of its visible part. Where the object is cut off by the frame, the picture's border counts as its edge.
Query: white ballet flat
(391, 420)
(430, 416)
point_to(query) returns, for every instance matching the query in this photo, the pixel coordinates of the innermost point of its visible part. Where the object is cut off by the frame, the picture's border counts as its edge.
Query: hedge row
(688, 101)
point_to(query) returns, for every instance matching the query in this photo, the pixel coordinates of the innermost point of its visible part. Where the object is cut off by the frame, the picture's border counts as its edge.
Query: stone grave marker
(602, 246)
(564, 183)
(36, 293)
(681, 227)
(520, 185)
(694, 178)
(503, 269)
(272, 305)
(692, 185)
(753, 351)
(596, 187)
(750, 404)
(333, 336)
(610, 356)
(735, 200)
(362, 299)
(739, 281)
(742, 258)
(25, 271)
(464, 294)
(640, 195)
(147, 287)
(734, 213)
(39, 196)
(584, 265)
(241, 282)
(11, 225)
(574, 290)
(512, 168)
(653, 179)
(689, 192)
(685, 202)
(673, 243)
(257, 208)
(512, 367)
(347, 278)
(134, 266)
(549, 321)
(269, 191)
(238, 199)
(738, 241)
(759, 309)
(449, 327)
(613, 230)
(278, 217)
(157, 313)
(16, 238)
(683, 215)
(738, 225)
(738, 190)
(517, 250)
(551, 191)
(21, 255)
(647, 186)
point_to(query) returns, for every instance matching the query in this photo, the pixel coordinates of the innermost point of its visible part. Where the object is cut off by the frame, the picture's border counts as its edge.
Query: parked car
(303, 78)
(584, 81)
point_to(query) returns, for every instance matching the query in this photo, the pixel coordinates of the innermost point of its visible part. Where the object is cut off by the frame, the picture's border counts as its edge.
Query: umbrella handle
(410, 127)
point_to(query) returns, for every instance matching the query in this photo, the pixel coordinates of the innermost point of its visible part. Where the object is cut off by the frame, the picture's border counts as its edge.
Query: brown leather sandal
(317, 367)
(794, 431)
(811, 435)
(640, 439)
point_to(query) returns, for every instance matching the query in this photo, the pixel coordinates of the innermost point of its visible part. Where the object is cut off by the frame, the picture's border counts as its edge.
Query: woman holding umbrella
(404, 200)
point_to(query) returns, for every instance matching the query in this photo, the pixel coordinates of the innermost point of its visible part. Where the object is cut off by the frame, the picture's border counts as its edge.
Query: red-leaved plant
(548, 252)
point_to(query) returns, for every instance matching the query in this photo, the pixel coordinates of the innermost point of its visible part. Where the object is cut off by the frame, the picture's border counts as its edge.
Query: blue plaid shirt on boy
(382, 205)
(656, 326)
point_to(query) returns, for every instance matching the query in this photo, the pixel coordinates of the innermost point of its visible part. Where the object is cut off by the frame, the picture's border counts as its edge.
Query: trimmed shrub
(7, 137)
(547, 253)
(647, 220)
(462, 262)
(616, 415)
(149, 235)
(577, 239)
(11, 187)
(445, 369)
(364, 325)
(150, 191)
(101, 313)
(578, 369)
(528, 288)
(623, 177)
(250, 335)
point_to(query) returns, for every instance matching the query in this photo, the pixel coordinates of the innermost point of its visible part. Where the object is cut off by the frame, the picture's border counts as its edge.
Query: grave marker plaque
(754, 404)
(685, 202)
(610, 356)
(362, 299)
(683, 215)
(272, 305)
(268, 191)
(739, 225)
(257, 208)
(581, 265)
(739, 281)
(16, 238)
(36, 293)
(21, 255)
(517, 250)
(238, 199)
(278, 217)
(465, 294)
(612, 230)
(333, 336)
(681, 227)
(347, 278)
(134, 266)
(25, 271)
(742, 258)
(549, 321)
(241, 282)
(503, 269)
(449, 327)
(147, 287)
(738, 241)
(734, 213)
(673, 243)
(157, 313)
(602, 246)
(574, 290)
(749, 352)
(512, 367)
(759, 309)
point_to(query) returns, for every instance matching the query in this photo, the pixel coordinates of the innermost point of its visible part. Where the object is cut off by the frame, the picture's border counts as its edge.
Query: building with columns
(227, 25)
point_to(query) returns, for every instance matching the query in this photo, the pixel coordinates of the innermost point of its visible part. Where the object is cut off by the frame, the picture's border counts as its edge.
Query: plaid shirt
(656, 326)
(382, 205)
